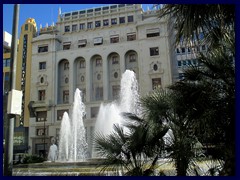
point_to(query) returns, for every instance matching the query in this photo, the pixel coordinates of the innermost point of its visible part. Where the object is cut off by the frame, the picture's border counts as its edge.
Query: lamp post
(44, 150)
(8, 151)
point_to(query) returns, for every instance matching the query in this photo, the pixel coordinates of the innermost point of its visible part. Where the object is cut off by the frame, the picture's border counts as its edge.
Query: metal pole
(8, 153)
(44, 151)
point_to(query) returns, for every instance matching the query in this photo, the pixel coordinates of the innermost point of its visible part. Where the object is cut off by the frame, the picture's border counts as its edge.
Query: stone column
(105, 77)
(71, 82)
(122, 63)
(88, 79)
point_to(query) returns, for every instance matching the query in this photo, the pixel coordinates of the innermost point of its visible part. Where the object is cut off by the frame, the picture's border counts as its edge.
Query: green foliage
(199, 108)
(209, 90)
(135, 151)
(32, 159)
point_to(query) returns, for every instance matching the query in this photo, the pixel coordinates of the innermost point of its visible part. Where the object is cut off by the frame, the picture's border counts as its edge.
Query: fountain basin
(93, 167)
(90, 167)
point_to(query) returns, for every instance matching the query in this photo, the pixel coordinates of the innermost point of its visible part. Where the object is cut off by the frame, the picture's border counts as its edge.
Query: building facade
(90, 50)
(187, 54)
(6, 76)
(23, 79)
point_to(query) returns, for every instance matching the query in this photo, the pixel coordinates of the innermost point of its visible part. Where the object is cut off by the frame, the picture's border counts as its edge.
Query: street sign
(14, 102)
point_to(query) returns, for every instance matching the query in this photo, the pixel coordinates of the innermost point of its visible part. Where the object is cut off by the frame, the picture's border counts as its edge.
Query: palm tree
(134, 153)
(209, 90)
(211, 102)
(168, 107)
(214, 20)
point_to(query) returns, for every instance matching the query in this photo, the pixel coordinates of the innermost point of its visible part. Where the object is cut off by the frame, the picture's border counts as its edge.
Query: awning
(98, 40)
(115, 36)
(66, 43)
(131, 34)
(82, 42)
(155, 30)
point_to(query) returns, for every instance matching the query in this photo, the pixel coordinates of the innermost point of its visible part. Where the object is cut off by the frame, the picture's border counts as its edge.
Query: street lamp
(44, 150)
(8, 155)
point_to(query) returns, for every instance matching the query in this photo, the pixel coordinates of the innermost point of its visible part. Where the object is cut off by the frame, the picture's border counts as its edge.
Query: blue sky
(43, 13)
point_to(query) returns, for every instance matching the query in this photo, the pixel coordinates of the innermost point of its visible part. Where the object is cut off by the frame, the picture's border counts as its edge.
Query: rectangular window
(98, 41)
(98, 62)
(114, 39)
(66, 96)
(130, 18)
(4, 63)
(184, 63)
(97, 9)
(66, 66)
(67, 29)
(82, 12)
(178, 51)
(75, 13)
(41, 131)
(113, 7)
(183, 50)
(82, 26)
(105, 8)
(179, 63)
(8, 62)
(122, 20)
(26, 27)
(97, 23)
(42, 48)
(82, 64)
(41, 116)
(132, 58)
(154, 51)
(121, 5)
(7, 74)
(60, 113)
(66, 45)
(42, 65)
(156, 83)
(74, 28)
(189, 50)
(41, 95)
(94, 112)
(82, 43)
(114, 60)
(153, 32)
(67, 14)
(89, 25)
(105, 22)
(115, 91)
(114, 21)
(131, 36)
(89, 10)
(99, 93)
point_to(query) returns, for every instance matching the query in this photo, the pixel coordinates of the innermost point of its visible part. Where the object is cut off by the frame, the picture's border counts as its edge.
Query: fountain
(110, 114)
(73, 147)
(72, 144)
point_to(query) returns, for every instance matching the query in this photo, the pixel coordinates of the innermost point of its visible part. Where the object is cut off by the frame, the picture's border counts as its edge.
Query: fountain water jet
(72, 144)
(110, 114)
(129, 96)
(65, 137)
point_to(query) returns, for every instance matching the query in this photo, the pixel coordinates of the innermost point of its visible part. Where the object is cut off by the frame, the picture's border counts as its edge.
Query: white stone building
(90, 49)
